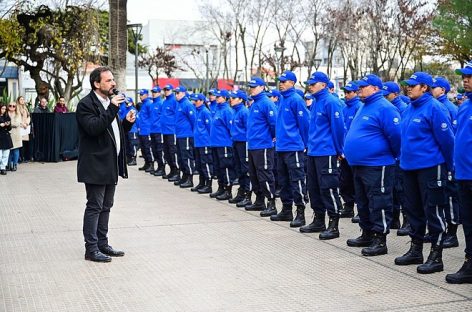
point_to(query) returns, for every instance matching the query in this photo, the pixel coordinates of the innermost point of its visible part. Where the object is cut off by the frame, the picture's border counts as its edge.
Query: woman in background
(5, 139)
(15, 134)
(25, 128)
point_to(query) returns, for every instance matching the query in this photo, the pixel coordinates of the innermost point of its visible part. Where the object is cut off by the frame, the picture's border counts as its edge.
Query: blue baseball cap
(256, 82)
(197, 97)
(156, 89)
(460, 96)
(129, 100)
(308, 96)
(418, 78)
(168, 87)
(390, 87)
(330, 85)
(274, 92)
(222, 93)
(441, 82)
(180, 89)
(212, 91)
(370, 80)
(467, 70)
(143, 92)
(288, 75)
(317, 77)
(351, 86)
(239, 94)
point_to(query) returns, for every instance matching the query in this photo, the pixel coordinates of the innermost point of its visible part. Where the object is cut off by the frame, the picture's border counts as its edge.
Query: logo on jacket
(336, 115)
(207, 121)
(300, 113)
(271, 113)
(365, 117)
(444, 126)
(418, 120)
(396, 120)
(191, 112)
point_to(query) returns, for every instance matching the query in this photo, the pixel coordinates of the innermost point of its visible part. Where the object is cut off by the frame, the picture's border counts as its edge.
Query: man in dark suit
(101, 159)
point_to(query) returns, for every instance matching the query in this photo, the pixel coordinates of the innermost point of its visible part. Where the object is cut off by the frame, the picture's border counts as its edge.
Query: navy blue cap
(330, 85)
(467, 70)
(441, 82)
(370, 80)
(390, 87)
(129, 100)
(351, 86)
(156, 89)
(460, 96)
(256, 81)
(143, 91)
(168, 87)
(317, 77)
(288, 75)
(274, 92)
(418, 78)
(212, 91)
(239, 94)
(222, 93)
(180, 89)
(197, 97)
(308, 96)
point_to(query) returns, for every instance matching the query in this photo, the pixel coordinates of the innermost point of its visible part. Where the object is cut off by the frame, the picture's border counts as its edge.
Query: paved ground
(185, 252)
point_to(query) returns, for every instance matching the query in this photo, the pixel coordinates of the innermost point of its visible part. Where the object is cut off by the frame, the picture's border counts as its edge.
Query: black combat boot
(188, 182)
(450, 239)
(145, 167)
(258, 205)
(318, 224)
(347, 211)
(227, 194)
(364, 240)
(219, 191)
(378, 246)
(412, 256)
(270, 210)
(405, 229)
(150, 169)
(434, 262)
(245, 201)
(174, 175)
(284, 215)
(132, 161)
(299, 218)
(332, 231)
(355, 219)
(239, 197)
(181, 180)
(464, 275)
(201, 183)
(160, 171)
(205, 189)
(395, 220)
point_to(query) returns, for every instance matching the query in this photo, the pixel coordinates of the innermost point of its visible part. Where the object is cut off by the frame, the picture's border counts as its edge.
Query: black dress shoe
(108, 250)
(97, 256)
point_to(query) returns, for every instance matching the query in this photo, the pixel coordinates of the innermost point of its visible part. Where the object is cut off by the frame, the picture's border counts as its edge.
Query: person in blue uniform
(460, 99)
(222, 146)
(440, 90)
(463, 174)
(144, 130)
(240, 154)
(203, 153)
(131, 138)
(346, 178)
(291, 140)
(427, 147)
(308, 101)
(325, 145)
(168, 111)
(377, 127)
(212, 105)
(260, 140)
(156, 135)
(275, 96)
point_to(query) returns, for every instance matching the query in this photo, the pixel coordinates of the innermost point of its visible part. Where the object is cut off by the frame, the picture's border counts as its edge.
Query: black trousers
(261, 174)
(132, 144)
(145, 143)
(465, 198)
(291, 173)
(374, 196)
(398, 189)
(204, 162)
(346, 183)
(452, 212)
(157, 146)
(223, 165)
(170, 150)
(241, 164)
(323, 183)
(425, 202)
(96, 215)
(185, 155)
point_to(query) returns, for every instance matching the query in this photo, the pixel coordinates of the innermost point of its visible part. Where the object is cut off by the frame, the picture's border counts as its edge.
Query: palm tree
(118, 41)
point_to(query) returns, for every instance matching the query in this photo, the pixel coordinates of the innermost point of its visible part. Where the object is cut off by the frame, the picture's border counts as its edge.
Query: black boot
(364, 240)
(450, 239)
(219, 191)
(188, 182)
(332, 231)
(206, 189)
(378, 246)
(201, 183)
(405, 229)
(270, 210)
(174, 175)
(300, 217)
(245, 201)
(355, 219)
(395, 220)
(239, 197)
(150, 169)
(347, 211)
(181, 180)
(412, 256)
(227, 194)
(159, 172)
(258, 205)
(145, 166)
(434, 262)
(277, 192)
(132, 161)
(464, 275)
(284, 215)
(318, 225)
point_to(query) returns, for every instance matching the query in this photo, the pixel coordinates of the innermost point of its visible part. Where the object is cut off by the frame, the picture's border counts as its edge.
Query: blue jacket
(239, 125)
(427, 137)
(326, 132)
(201, 131)
(220, 133)
(352, 106)
(213, 106)
(398, 103)
(168, 110)
(184, 118)
(451, 108)
(261, 123)
(293, 120)
(145, 118)
(123, 111)
(375, 134)
(463, 143)
(156, 115)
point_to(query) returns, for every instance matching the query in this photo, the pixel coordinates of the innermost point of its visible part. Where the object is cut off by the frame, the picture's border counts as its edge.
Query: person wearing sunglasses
(15, 133)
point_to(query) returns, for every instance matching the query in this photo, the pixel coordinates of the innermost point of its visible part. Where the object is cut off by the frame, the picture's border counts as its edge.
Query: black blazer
(5, 138)
(98, 162)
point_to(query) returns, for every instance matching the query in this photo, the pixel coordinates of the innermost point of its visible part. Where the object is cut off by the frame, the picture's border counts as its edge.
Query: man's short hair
(95, 75)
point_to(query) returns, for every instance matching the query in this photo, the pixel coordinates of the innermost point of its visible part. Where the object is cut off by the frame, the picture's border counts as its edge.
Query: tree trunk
(118, 41)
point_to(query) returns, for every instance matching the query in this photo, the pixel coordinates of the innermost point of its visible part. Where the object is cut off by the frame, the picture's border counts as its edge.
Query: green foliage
(5, 98)
(131, 48)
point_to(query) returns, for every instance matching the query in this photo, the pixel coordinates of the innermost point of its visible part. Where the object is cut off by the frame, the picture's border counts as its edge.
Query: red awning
(163, 81)
(225, 84)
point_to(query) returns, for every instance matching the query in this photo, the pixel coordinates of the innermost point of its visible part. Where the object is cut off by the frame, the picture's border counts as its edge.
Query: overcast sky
(140, 11)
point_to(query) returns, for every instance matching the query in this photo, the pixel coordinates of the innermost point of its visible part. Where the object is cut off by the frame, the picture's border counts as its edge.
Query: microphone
(117, 92)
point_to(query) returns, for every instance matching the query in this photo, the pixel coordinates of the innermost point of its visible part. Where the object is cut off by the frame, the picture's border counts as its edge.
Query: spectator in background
(459, 99)
(15, 134)
(5, 139)
(25, 129)
(42, 107)
(61, 106)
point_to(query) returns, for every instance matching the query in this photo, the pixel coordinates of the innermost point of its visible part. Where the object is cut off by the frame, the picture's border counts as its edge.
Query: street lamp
(207, 74)
(316, 63)
(136, 32)
(278, 55)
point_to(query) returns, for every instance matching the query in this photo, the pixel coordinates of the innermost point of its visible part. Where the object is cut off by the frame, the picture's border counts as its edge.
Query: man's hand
(117, 99)
(131, 116)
